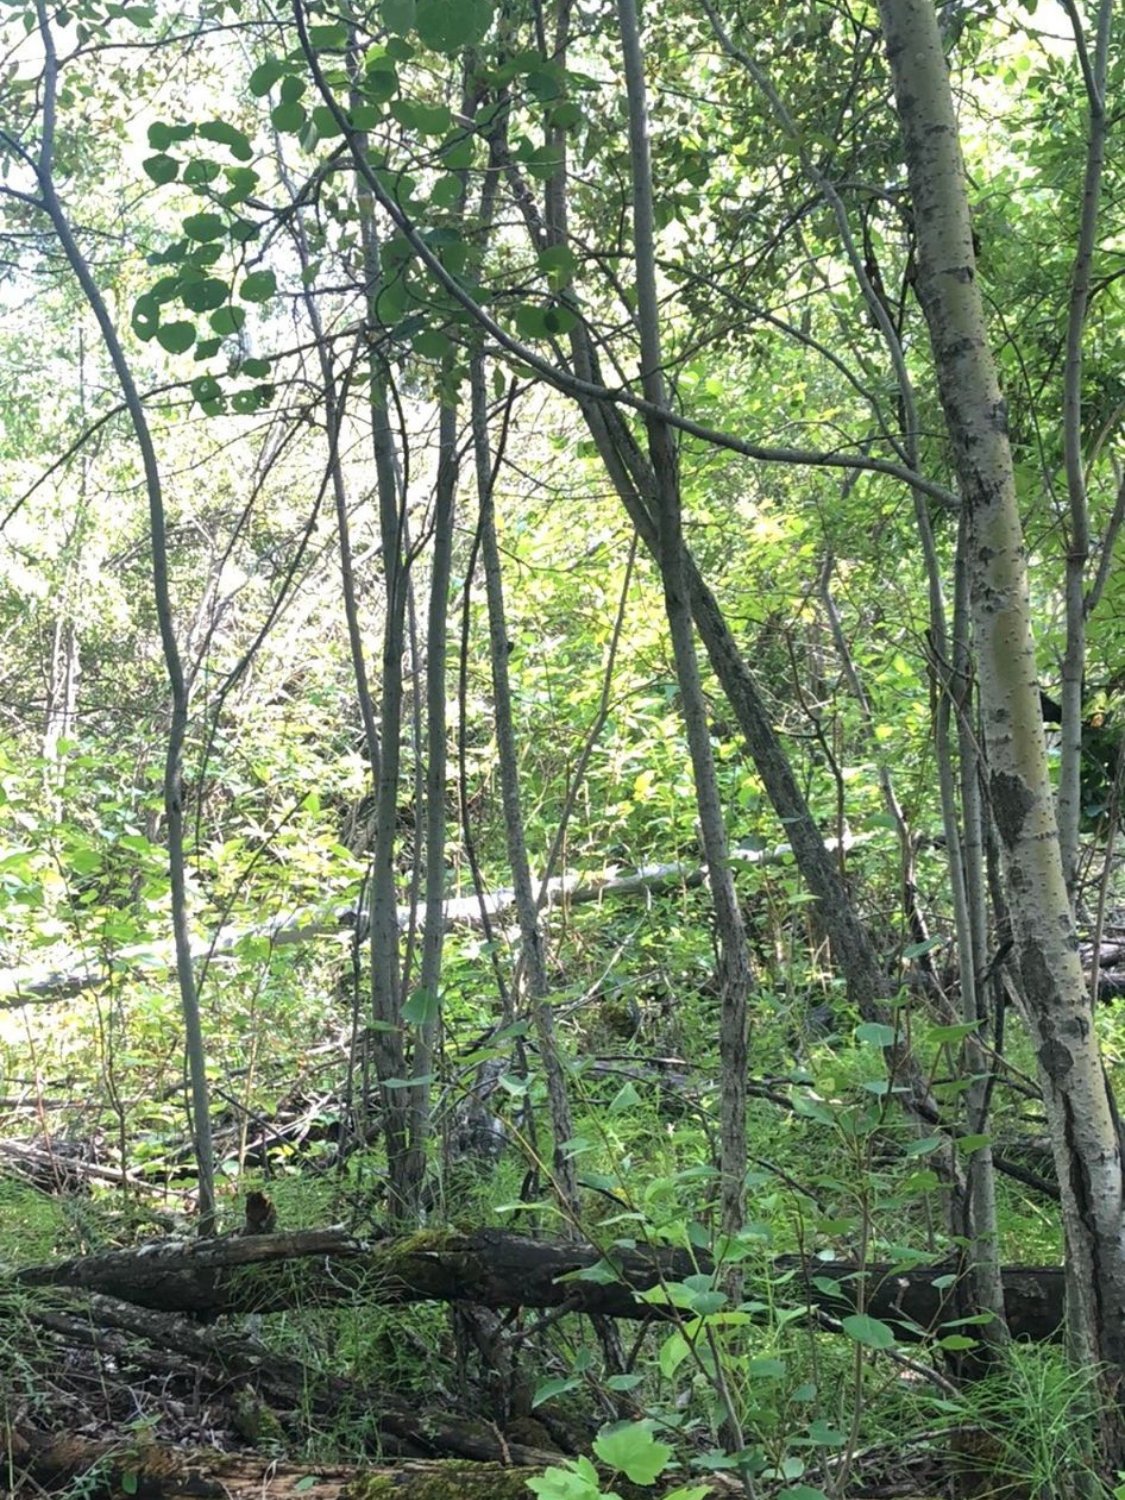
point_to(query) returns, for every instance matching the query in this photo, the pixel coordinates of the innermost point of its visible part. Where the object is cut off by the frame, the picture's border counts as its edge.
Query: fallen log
(268, 1391)
(498, 1269)
(162, 1472)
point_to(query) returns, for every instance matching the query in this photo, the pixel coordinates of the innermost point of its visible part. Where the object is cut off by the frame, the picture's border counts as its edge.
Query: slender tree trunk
(1078, 538)
(177, 678)
(532, 956)
(427, 1023)
(387, 1043)
(1080, 1108)
(734, 961)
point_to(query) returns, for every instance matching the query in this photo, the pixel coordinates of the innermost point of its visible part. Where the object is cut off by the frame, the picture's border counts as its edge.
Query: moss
(449, 1480)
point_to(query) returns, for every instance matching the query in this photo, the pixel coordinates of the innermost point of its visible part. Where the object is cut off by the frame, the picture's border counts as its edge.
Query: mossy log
(153, 1471)
(497, 1269)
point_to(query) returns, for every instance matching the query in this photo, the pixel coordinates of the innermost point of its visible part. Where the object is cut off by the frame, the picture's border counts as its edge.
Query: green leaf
(204, 226)
(227, 320)
(245, 403)
(560, 264)
(448, 28)
(426, 119)
(705, 1304)
(161, 136)
(259, 286)
(146, 316)
(633, 1451)
(202, 257)
(969, 1143)
(917, 950)
(365, 116)
(199, 172)
(551, 1388)
(205, 388)
(226, 134)
(543, 162)
(423, 1008)
(531, 321)
(559, 320)
(924, 1146)
(177, 338)
(875, 1034)
(625, 1099)
(431, 343)
(205, 295)
(825, 1434)
(256, 368)
(567, 115)
(868, 1331)
(288, 117)
(954, 1032)
(802, 1492)
(398, 15)
(265, 75)
(957, 1342)
(327, 126)
(292, 87)
(446, 191)
(673, 1351)
(207, 348)
(330, 38)
(380, 83)
(242, 180)
(576, 1479)
(161, 168)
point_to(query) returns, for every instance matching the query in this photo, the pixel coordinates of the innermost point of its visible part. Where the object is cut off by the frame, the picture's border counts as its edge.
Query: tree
(1081, 1110)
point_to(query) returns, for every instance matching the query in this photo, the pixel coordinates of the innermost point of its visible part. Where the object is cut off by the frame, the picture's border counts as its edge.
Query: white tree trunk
(1081, 1111)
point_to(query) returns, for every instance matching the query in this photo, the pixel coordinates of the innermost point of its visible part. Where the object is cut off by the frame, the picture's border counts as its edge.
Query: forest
(562, 915)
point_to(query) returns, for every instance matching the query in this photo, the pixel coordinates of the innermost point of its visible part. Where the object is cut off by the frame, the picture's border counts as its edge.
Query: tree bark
(497, 1269)
(1081, 1111)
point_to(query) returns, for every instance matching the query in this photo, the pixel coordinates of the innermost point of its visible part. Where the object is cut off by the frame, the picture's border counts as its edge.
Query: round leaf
(259, 286)
(201, 171)
(225, 320)
(203, 226)
(447, 28)
(264, 76)
(288, 117)
(206, 388)
(146, 316)
(205, 295)
(177, 338)
(161, 168)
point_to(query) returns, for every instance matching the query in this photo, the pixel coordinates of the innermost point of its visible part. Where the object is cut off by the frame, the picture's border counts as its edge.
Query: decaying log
(259, 1380)
(497, 1269)
(161, 1472)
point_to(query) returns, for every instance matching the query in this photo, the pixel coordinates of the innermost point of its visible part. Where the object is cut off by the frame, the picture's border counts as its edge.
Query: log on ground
(497, 1269)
